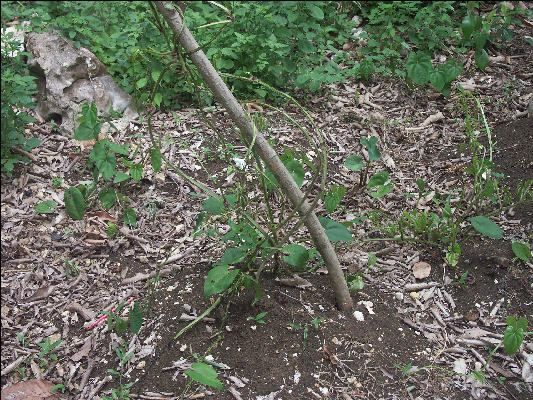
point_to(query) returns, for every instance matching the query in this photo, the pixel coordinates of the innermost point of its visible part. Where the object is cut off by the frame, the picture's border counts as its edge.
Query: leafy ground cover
(406, 334)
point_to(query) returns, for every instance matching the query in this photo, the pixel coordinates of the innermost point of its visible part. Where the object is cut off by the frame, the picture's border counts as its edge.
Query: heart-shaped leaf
(297, 172)
(486, 227)
(373, 151)
(74, 203)
(482, 59)
(418, 67)
(378, 179)
(107, 198)
(382, 190)
(46, 207)
(354, 163)
(297, 255)
(334, 196)
(219, 279)
(522, 250)
(204, 374)
(335, 231)
(213, 205)
(130, 217)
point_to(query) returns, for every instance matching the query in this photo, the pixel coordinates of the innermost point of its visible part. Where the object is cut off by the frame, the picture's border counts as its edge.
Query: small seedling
(21, 339)
(70, 268)
(404, 370)
(123, 392)
(47, 347)
(59, 386)
(355, 282)
(258, 318)
(57, 182)
(315, 322)
(462, 280)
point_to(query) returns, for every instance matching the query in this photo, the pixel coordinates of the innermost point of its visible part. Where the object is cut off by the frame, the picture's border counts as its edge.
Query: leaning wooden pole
(263, 149)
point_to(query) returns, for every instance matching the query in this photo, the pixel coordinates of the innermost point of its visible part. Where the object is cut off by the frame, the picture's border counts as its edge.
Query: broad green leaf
(219, 279)
(233, 255)
(121, 177)
(130, 217)
(46, 207)
(452, 70)
(157, 99)
(467, 26)
(334, 196)
(378, 179)
(521, 250)
(480, 39)
(155, 158)
(437, 79)
(297, 172)
(121, 326)
(418, 67)
(107, 198)
(482, 59)
(74, 203)
(421, 185)
(156, 75)
(32, 143)
(370, 143)
(335, 231)
(514, 334)
(298, 255)
(136, 318)
(231, 199)
(85, 132)
(355, 282)
(142, 82)
(486, 227)
(136, 172)
(213, 205)
(354, 163)
(111, 229)
(382, 190)
(107, 165)
(117, 148)
(204, 374)
(315, 11)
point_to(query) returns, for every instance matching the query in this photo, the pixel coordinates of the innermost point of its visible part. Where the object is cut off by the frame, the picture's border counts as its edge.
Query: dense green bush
(17, 88)
(282, 43)
(285, 44)
(395, 28)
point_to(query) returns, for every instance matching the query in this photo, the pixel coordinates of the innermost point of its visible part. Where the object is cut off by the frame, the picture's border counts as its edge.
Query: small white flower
(239, 162)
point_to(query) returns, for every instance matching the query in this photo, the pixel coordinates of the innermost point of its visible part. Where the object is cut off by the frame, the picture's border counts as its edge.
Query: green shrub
(285, 44)
(17, 89)
(395, 28)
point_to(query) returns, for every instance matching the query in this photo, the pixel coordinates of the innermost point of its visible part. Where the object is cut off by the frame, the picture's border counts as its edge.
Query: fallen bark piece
(40, 294)
(421, 270)
(86, 314)
(34, 389)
